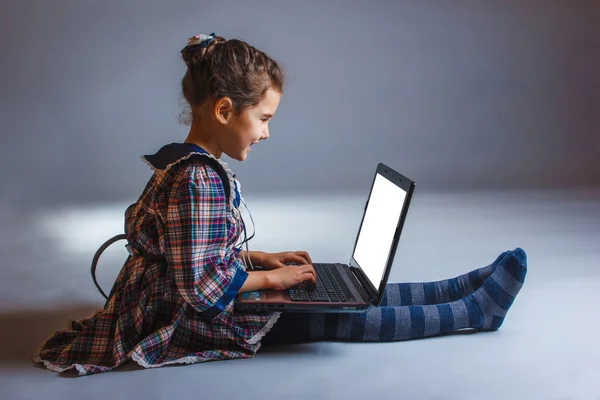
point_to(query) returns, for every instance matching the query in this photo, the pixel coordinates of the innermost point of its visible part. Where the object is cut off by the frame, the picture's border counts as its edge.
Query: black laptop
(360, 284)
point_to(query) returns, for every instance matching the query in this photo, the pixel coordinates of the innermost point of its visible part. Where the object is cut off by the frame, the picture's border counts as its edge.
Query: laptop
(359, 284)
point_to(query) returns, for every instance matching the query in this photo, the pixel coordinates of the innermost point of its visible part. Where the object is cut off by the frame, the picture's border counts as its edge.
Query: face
(241, 132)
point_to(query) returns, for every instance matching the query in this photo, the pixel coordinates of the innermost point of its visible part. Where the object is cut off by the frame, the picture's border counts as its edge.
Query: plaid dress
(181, 311)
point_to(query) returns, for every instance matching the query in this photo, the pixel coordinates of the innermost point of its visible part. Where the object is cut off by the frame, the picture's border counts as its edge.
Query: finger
(298, 259)
(310, 270)
(311, 278)
(307, 277)
(307, 268)
(305, 255)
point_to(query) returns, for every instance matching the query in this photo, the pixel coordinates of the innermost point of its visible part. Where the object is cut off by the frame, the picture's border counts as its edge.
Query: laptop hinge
(365, 282)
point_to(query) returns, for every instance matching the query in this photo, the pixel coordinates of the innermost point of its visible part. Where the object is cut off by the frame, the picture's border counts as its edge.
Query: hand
(289, 276)
(279, 260)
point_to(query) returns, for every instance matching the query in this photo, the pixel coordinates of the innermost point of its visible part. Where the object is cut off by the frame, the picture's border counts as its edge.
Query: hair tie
(197, 42)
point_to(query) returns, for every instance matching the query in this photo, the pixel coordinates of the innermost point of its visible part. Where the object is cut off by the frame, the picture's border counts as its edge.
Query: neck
(200, 136)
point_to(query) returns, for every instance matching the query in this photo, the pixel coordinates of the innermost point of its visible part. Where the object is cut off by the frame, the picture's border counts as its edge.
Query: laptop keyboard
(330, 287)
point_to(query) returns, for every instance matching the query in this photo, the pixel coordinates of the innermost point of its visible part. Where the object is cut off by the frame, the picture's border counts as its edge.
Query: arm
(196, 237)
(257, 280)
(256, 257)
(278, 279)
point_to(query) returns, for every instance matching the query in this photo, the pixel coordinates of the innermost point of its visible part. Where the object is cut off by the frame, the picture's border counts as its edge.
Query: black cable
(97, 256)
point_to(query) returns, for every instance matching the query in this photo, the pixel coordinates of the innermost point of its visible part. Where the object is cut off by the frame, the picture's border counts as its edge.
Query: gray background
(475, 100)
(461, 94)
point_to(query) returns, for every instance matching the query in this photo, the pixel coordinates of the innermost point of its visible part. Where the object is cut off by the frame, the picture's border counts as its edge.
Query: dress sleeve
(196, 242)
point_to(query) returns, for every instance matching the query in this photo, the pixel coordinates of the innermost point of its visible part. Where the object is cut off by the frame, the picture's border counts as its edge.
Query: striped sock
(484, 309)
(413, 294)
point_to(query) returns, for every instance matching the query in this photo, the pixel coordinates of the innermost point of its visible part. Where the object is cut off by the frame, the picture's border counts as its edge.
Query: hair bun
(200, 40)
(198, 47)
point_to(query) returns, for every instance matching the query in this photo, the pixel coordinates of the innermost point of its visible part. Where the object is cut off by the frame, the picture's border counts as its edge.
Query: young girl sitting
(173, 300)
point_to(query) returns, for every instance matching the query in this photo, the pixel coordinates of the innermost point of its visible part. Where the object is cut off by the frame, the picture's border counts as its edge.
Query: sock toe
(521, 256)
(516, 264)
(499, 291)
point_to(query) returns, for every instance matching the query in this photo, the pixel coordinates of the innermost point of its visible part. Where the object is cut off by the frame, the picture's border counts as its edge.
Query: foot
(489, 304)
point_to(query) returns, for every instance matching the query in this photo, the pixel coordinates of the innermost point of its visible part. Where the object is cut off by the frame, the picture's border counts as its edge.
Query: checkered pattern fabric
(178, 312)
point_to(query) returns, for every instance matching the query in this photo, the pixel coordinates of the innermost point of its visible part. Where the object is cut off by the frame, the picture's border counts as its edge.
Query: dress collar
(171, 153)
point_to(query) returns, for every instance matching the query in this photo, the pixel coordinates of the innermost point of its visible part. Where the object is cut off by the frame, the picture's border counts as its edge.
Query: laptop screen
(376, 234)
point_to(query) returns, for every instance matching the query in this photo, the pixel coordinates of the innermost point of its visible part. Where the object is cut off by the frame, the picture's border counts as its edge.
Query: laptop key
(303, 294)
(315, 296)
(325, 290)
(294, 295)
(343, 292)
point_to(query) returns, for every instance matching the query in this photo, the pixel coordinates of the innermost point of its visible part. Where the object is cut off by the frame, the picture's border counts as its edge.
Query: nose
(265, 134)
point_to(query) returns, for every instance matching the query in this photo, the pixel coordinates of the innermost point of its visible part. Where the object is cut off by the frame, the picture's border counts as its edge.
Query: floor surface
(548, 347)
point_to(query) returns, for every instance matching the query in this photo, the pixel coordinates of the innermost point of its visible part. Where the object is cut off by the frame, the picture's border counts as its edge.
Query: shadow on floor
(23, 332)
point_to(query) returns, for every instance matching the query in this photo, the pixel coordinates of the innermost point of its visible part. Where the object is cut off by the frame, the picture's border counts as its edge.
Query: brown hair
(228, 68)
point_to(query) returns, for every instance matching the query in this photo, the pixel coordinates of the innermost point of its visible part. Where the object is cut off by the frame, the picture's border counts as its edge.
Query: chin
(241, 157)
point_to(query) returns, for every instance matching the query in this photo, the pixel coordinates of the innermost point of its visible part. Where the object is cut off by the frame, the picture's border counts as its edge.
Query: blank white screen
(378, 228)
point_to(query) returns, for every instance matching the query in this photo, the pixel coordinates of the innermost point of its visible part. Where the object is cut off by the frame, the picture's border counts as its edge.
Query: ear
(223, 110)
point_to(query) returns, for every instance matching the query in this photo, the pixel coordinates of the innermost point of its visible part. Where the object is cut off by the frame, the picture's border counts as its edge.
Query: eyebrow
(267, 115)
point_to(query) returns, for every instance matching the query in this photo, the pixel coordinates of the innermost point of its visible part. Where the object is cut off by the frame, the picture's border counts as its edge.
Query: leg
(412, 294)
(483, 309)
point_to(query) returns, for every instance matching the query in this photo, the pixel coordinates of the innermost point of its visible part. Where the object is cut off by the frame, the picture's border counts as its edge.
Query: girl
(173, 300)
